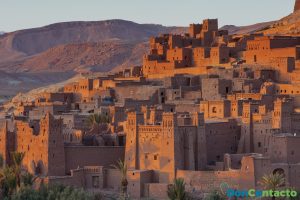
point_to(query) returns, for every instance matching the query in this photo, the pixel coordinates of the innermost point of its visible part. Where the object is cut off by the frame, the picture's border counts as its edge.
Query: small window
(155, 157)
(227, 90)
(214, 109)
(259, 144)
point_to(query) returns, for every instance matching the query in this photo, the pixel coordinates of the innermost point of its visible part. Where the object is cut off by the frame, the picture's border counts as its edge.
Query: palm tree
(8, 182)
(177, 190)
(12, 177)
(18, 158)
(2, 175)
(273, 181)
(122, 167)
(7, 179)
(1, 169)
(96, 119)
(28, 179)
(1, 161)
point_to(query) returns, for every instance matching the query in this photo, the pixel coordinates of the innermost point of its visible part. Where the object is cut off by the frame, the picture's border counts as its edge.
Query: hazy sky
(20, 14)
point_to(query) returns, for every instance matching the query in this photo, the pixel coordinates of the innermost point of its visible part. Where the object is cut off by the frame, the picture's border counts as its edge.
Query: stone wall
(223, 135)
(76, 179)
(91, 178)
(208, 180)
(156, 190)
(144, 92)
(112, 179)
(92, 156)
(136, 182)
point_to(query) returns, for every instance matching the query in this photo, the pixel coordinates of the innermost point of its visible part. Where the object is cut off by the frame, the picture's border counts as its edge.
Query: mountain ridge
(232, 29)
(289, 25)
(79, 31)
(69, 48)
(24, 44)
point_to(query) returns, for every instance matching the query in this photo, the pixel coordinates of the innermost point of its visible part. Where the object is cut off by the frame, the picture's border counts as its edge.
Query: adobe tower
(297, 5)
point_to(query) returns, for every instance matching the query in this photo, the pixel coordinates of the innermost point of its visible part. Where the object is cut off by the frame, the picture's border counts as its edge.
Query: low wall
(76, 179)
(80, 156)
(206, 181)
(83, 178)
(156, 190)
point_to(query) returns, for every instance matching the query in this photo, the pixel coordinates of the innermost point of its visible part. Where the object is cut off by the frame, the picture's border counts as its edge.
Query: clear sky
(21, 14)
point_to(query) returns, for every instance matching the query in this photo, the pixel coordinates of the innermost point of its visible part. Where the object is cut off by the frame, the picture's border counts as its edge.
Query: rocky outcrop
(246, 29)
(289, 25)
(297, 6)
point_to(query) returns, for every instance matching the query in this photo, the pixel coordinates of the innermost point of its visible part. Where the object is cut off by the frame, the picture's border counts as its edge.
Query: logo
(260, 193)
(253, 193)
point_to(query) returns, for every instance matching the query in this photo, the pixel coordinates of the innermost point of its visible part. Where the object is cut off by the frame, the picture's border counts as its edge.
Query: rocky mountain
(246, 29)
(20, 45)
(72, 47)
(289, 25)
(82, 57)
(2, 32)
